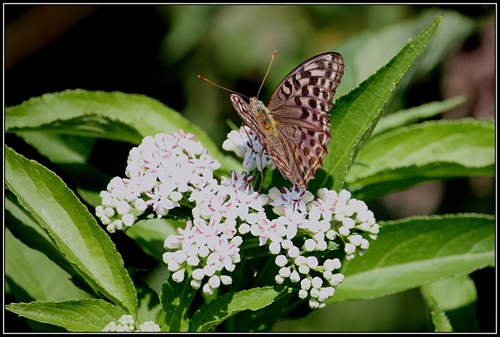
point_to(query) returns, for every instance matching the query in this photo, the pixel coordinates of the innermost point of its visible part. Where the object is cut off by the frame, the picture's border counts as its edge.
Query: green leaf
(426, 151)
(419, 250)
(451, 293)
(223, 307)
(439, 318)
(87, 315)
(355, 115)
(149, 301)
(367, 52)
(265, 319)
(71, 227)
(31, 275)
(408, 116)
(176, 300)
(456, 298)
(150, 235)
(60, 148)
(92, 125)
(25, 228)
(109, 115)
(72, 154)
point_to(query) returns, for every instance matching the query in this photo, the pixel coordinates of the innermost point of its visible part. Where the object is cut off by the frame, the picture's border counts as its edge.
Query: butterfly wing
(300, 106)
(266, 131)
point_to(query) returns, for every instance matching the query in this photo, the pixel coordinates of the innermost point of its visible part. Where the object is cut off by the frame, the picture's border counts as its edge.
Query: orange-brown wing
(271, 139)
(300, 106)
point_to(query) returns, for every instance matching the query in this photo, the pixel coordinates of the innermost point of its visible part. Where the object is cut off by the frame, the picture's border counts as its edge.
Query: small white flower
(214, 281)
(226, 280)
(173, 266)
(332, 264)
(344, 209)
(207, 289)
(193, 260)
(300, 260)
(293, 252)
(140, 205)
(287, 244)
(312, 262)
(209, 270)
(111, 228)
(305, 284)
(126, 322)
(195, 284)
(310, 245)
(247, 146)
(109, 211)
(365, 227)
(111, 327)
(275, 247)
(321, 245)
(279, 279)
(281, 260)
(295, 276)
(304, 269)
(263, 230)
(317, 282)
(348, 223)
(313, 303)
(178, 276)
(336, 279)
(314, 292)
(350, 248)
(374, 229)
(284, 272)
(331, 235)
(355, 239)
(149, 326)
(293, 200)
(326, 203)
(128, 219)
(198, 274)
(244, 228)
(344, 231)
(319, 236)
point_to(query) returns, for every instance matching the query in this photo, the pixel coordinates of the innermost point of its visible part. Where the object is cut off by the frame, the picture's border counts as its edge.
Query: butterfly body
(294, 127)
(263, 116)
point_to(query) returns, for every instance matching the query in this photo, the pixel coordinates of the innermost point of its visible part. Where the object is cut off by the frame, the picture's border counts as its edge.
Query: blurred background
(158, 51)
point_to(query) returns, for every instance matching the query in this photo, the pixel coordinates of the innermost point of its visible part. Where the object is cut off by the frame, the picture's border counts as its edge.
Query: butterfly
(294, 127)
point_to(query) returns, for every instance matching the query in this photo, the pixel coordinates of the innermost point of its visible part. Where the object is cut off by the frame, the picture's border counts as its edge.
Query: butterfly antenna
(219, 86)
(267, 72)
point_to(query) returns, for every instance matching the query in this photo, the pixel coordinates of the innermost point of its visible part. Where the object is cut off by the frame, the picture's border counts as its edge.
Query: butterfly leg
(261, 170)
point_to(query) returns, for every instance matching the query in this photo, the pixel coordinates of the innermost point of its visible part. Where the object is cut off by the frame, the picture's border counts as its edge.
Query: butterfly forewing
(295, 127)
(316, 79)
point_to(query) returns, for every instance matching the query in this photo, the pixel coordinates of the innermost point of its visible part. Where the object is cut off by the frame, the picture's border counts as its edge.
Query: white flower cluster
(126, 323)
(307, 230)
(160, 171)
(304, 234)
(209, 244)
(246, 145)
